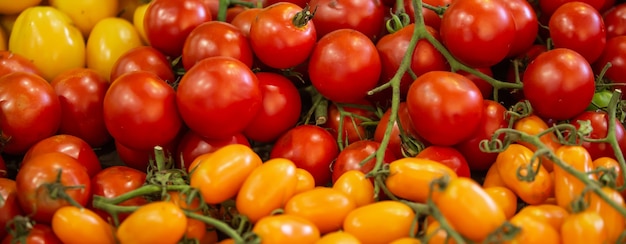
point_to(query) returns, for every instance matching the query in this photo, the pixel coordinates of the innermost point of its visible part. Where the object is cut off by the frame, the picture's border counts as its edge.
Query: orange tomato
(493, 178)
(156, 222)
(549, 213)
(534, 125)
(286, 228)
(614, 222)
(267, 188)
(533, 231)
(355, 185)
(609, 163)
(338, 237)
(305, 181)
(584, 227)
(367, 223)
(468, 208)
(80, 225)
(196, 229)
(220, 176)
(417, 173)
(505, 198)
(566, 186)
(325, 207)
(197, 161)
(437, 235)
(517, 157)
(406, 240)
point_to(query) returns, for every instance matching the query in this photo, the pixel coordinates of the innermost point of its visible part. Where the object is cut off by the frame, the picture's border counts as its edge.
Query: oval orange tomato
(286, 228)
(567, 187)
(417, 173)
(325, 207)
(80, 225)
(355, 185)
(392, 218)
(517, 157)
(167, 224)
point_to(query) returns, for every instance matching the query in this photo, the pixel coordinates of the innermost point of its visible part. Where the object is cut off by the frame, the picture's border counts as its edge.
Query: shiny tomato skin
(38, 234)
(365, 16)
(168, 23)
(286, 228)
(356, 186)
(145, 58)
(486, 89)
(548, 7)
(10, 206)
(218, 97)
(579, 27)
(402, 120)
(417, 172)
(584, 227)
(168, 224)
(507, 165)
(192, 145)
(615, 21)
(567, 187)
(216, 38)
(452, 111)
(44, 169)
(351, 157)
(72, 224)
(325, 207)
(243, 20)
(11, 62)
(311, 148)
(280, 110)
(448, 156)
(390, 217)
(526, 25)
(30, 108)
(114, 181)
(344, 66)
(614, 52)
(559, 84)
(81, 92)
(599, 123)
(70, 145)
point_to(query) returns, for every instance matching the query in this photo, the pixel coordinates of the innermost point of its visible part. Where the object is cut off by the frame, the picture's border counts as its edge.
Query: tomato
(505, 198)
(143, 58)
(8, 7)
(534, 125)
(137, 20)
(330, 73)
(431, 18)
(38, 172)
(579, 27)
(403, 120)
(607, 163)
(477, 217)
(218, 97)
(140, 158)
(415, 172)
(325, 207)
(366, 223)
(85, 14)
(406, 240)
(168, 23)
(534, 231)
(110, 39)
(493, 178)
(136, 105)
(70, 145)
(48, 37)
(220, 176)
(614, 222)
(599, 123)
(192, 145)
(437, 234)
(216, 38)
(286, 228)
(548, 213)
(356, 186)
(166, 220)
(282, 36)
(366, 17)
(350, 119)
(338, 237)
(548, 7)
(196, 229)
(38, 233)
(566, 186)
(614, 52)
(486, 89)
(81, 92)
(311, 148)
(115, 181)
(526, 25)
(25, 127)
(79, 225)
(584, 227)
(267, 188)
(425, 57)
(10, 206)
(447, 156)
(453, 111)
(305, 181)
(515, 160)
(244, 20)
(492, 120)
(352, 158)
(615, 21)
(280, 110)
(491, 44)
(12, 62)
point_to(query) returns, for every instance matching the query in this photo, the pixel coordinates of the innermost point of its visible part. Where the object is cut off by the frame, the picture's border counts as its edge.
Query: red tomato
(81, 92)
(614, 52)
(282, 36)
(219, 97)
(140, 158)
(447, 156)
(559, 84)
(431, 18)
(452, 111)
(403, 120)
(615, 21)
(216, 38)
(579, 27)
(486, 89)
(365, 16)
(280, 110)
(599, 123)
(311, 148)
(30, 111)
(526, 25)
(143, 58)
(36, 174)
(351, 158)
(10, 206)
(38, 233)
(168, 23)
(114, 181)
(192, 145)
(352, 128)
(11, 62)
(548, 7)
(72, 146)
(459, 30)
(244, 20)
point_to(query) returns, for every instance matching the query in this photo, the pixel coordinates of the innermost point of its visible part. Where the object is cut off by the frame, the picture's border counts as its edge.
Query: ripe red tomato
(447, 156)
(484, 25)
(344, 66)
(352, 128)
(431, 18)
(404, 121)
(168, 23)
(10, 206)
(218, 97)
(526, 25)
(311, 148)
(81, 92)
(38, 172)
(38, 233)
(351, 157)
(140, 158)
(599, 123)
(578, 26)
(137, 105)
(30, 110)
(615, 21)
(282, 36)
(486, 89)
(114, 181)
(216, 38)
(365, 16)
(72, 146)
(614, 52)
(11, 62)
(145, 58)
(244, 20)
(192, 145)
(559, 84)
(548, 7)
(445, 107)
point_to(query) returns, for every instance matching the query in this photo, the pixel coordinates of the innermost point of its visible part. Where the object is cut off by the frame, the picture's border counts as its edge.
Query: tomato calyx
(398, 20)
(302, 18)
(57, 190)
(19, 228)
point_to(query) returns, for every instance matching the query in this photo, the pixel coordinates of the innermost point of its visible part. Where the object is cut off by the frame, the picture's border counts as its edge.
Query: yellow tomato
(86, 13)
(14, 7)
(138, 15)
(48, 37)
(109, 39)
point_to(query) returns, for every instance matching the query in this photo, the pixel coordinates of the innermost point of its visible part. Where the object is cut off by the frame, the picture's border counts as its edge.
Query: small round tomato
(607, 163)
(286, 228)
(614, 52)
(70, 145)
(366, 223)
(447, 156)
(418, 173)
(349, 119)
(80, 225)
(526, 25)
(584, 227)
(599, 123)
(351, 158)
(365, 16)
(10, 206)
(356, 186)
(244, 20)
(143, 58)
(579, 27)
(486, 89)
(196, 229)
(38, 233)
(115, 181)
(11, 62)
(514, 161)
(167, 222)
(615, 21)
(325, 207)
(192, 145)
(216, 38)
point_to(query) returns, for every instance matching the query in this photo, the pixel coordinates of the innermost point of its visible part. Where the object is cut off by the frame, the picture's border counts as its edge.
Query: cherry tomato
(418, 173)
(403, 120)
(431, 18)
(286, 228)
(115, 181)
(143, 58)
(166, 220)
(493, 178)
(139, 158)
(526, 25)
(615, 21)
(80, 225)
(70, 145)
(448, 156)
(505, 198)
(196, 229)
(614, 222)
(305, 181)
(216, 38)
(38, 233)
(244, 20)
(599, 123)
(607, 163)
(11, 62)
(86, 14)
(534, 231)
(584, 227)
(350, 119)
(338, 237)
(613, 52)
(515, 160)
(352, 158)
(567, 187)
(366, 16)
(390, 217)
(137, 19)
(579, 27)
(486, 89)
(552, 214)
(325, 207)
(192, 145)
(356, 186)
(10, 206)
(534, 125)
(548, 7)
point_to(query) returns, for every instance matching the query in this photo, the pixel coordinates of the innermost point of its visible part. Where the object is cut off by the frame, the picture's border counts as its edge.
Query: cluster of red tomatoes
(322, 121)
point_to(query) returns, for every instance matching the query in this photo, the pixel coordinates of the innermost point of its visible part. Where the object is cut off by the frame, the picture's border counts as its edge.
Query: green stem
(611, 137)
(222, 10)
(219, 225)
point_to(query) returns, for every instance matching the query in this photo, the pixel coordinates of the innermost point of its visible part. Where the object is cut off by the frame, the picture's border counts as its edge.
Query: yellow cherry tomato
(138, 15)
(86, 13)
(323, 206)
(110, 39)
(417, 173)
(48, 37)
(286, 228)
(16, 6)
(567, 187)
(515, 160)
(305, 181)
(156, 222)
(355, 185)
(583, 228)
(550, 213)
(380, 222)
(614, 222)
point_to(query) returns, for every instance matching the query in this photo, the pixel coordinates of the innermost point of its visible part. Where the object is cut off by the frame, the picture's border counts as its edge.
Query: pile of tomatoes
(322, 121)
